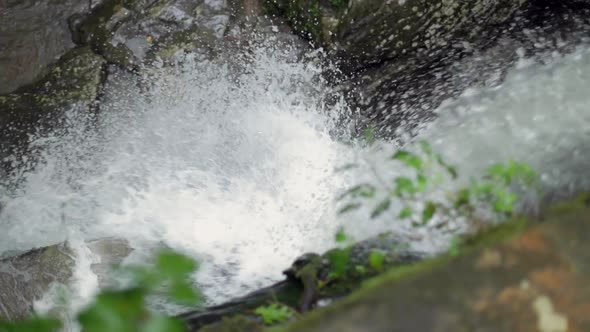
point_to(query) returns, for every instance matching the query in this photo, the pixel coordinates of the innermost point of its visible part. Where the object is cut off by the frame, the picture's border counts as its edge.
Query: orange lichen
(533, 240)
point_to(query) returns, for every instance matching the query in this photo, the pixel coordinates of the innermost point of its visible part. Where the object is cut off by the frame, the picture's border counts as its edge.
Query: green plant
(494, 190)
(125, 310)
(274, 313)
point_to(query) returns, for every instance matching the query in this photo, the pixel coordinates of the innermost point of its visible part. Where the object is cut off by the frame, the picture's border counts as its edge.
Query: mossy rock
(237, 323)
(520, 276)
(76, 78)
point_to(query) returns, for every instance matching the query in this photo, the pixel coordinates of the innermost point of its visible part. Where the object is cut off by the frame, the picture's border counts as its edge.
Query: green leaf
(428, 212)
(377, 259)
(114, 311)
(274, 313)
(409, 159)
(504, 202)
(426, 148)
(362, 190)
(349, 207)
(183, 293)
(406, 212)
(482, 190)
(338, 261)
(454, 248)
(161, 323)
(174, 265)
(452, 170)
(499, 172)
(404, 185)
(380, 208)
(360, 269)
(462, 198)
(421, 183)
(341, 236)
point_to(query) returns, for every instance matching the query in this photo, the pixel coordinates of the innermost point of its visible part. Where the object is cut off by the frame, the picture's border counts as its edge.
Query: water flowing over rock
(74, 82)
(27, 277)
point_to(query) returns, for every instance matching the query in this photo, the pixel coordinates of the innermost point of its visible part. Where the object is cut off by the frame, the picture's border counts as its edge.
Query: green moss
(238, 323)
(579, 202)
(76, 78)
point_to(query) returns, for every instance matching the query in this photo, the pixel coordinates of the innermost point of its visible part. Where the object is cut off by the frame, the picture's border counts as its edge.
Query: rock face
(129, 33)
(27, 277)
(33, 34)
(373, 31)
(74, 82)
(403, 58)
(517, 277)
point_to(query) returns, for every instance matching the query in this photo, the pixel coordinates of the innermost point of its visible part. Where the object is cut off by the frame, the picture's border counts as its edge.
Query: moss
(167, 46)
(76, 78)
(238, 323)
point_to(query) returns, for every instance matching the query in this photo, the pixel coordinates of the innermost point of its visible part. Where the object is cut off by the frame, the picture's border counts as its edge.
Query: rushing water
(234, 162)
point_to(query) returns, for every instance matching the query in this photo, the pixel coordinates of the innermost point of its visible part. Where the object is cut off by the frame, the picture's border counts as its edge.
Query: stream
(234, 163)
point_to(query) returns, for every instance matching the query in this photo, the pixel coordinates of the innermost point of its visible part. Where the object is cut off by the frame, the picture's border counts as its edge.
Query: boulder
(73, 82)
(33, 35)
(27, 277)
(128, 33)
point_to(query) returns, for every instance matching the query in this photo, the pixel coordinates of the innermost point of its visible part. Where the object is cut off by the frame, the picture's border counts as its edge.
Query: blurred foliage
(125, 310)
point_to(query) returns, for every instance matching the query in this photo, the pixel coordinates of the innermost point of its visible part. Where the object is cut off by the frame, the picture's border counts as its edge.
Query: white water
(234, 165)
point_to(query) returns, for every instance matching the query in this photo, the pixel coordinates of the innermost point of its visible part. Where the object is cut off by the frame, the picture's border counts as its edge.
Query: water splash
(233, 162)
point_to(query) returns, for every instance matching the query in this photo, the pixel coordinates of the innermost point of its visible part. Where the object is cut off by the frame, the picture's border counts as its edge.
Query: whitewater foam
(233, 163)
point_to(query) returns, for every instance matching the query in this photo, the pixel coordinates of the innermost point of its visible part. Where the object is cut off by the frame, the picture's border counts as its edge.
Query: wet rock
(520, 276)
(26, 277)
(33, 34)
(398, 94)
(74, 82)
(371, 31)
(129, 33)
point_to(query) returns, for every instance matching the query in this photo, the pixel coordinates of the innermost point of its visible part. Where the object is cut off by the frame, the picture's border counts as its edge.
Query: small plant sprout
(274, 313)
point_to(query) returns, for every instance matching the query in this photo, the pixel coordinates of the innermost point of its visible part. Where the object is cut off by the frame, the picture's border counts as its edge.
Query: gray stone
(33, 35)
(25, 278)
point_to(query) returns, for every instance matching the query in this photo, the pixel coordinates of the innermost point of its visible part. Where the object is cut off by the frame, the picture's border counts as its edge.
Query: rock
(74, 81)
(33, 34)
(372, 31)
(25, 278)
(398, 94)
(519, 276)
(129, 33)
(292, 290)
